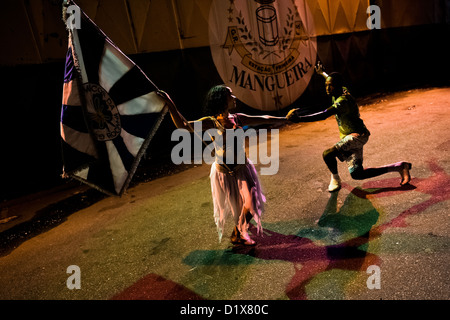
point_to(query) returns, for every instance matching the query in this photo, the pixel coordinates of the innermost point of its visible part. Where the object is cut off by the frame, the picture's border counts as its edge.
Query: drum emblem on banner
(265, 50)
(103, 115)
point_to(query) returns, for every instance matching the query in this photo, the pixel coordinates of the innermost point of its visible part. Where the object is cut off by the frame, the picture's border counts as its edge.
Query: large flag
(110, 110)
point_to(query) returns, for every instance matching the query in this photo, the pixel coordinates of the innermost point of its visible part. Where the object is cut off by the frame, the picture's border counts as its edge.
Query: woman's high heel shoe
(238, 238)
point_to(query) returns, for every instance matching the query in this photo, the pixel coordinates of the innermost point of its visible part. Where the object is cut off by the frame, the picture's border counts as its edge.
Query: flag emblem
(103, 115)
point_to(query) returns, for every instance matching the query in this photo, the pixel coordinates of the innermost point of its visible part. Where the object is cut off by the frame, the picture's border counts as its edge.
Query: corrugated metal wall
(35, 32)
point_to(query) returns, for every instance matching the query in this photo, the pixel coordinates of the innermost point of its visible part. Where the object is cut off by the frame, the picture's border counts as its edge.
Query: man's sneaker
(335, 184)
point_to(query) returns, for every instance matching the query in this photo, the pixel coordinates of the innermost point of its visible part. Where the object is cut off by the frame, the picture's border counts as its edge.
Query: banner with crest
(110, 108)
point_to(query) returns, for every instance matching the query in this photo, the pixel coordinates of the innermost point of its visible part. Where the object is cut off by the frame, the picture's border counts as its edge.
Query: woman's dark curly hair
(216, 100)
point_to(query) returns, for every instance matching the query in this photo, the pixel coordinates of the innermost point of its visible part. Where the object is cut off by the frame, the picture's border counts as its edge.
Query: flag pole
(143, 149)
(78, 53)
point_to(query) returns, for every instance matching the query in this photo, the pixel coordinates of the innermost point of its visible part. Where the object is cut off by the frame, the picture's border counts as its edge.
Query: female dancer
(236, 190)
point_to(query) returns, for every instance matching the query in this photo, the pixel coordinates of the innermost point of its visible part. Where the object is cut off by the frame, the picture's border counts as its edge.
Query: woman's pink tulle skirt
(231, 192)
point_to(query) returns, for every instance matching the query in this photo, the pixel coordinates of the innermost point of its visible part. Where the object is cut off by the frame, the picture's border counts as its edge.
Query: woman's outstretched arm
(179, 120)
(248, 120)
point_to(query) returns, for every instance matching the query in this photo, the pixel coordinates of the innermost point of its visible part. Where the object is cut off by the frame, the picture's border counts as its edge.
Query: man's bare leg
(329, 156)
(401, 167)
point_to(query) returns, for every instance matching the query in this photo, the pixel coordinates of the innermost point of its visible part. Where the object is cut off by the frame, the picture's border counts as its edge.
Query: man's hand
(319, 67)
(320, 70)
(292, 115)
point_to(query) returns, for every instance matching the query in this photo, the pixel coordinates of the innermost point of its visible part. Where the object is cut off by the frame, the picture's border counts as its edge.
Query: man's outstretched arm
(322, 115)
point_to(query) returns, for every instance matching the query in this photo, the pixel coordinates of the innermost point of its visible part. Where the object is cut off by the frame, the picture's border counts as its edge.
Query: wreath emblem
(103, 115)
(254, 49)
(263, 49)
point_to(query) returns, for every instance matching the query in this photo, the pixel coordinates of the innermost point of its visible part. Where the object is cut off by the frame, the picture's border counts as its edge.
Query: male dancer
(353, 133)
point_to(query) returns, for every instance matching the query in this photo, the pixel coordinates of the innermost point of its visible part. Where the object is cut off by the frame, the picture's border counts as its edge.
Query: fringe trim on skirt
(231, 191)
